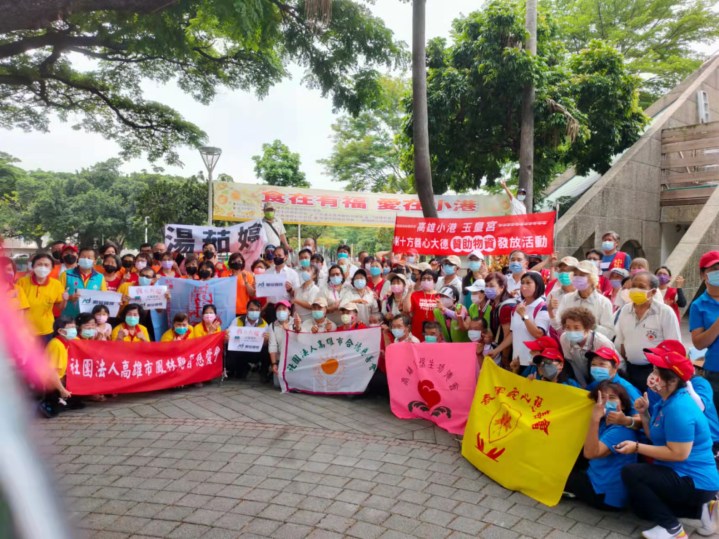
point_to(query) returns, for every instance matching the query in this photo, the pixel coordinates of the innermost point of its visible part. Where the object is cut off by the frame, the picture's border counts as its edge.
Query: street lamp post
(210, 156)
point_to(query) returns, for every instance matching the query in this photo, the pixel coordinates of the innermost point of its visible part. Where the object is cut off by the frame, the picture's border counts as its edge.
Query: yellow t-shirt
(200, 331)
(170, 335)
(57, 354)
(17, 299)
(130, 338)
(41, 299)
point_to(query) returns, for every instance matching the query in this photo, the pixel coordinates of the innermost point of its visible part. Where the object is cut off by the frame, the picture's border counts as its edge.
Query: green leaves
(277, 165)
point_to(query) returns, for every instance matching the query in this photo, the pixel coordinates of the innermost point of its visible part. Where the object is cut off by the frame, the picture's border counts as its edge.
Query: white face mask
(521, 197)
(41, 272)
(346, 319)
(209, 318)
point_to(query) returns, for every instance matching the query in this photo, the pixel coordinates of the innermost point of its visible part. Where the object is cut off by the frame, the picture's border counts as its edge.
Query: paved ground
(242, 460)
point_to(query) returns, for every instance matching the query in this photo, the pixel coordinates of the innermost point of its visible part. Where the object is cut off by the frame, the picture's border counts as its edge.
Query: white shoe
(657, 532)
(710, 516)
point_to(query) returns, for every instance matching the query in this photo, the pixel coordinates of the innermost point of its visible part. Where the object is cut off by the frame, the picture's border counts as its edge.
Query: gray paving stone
(292, 531)
(336, 523)
(365, 530)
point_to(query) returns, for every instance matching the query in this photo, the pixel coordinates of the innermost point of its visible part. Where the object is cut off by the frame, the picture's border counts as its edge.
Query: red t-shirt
(423, 305)
(113, 285)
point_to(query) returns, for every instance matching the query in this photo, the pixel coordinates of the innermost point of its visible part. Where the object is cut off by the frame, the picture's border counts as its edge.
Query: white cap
(478, 286)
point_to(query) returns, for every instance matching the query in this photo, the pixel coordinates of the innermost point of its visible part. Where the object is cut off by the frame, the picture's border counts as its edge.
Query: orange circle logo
(330, 366)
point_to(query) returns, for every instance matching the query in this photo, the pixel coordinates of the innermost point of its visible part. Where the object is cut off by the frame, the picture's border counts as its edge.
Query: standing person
(516, 204)
(376, 279)
(682, 481)
(55, 249)
(111, 270)
(643, 323)
(275, 230)
(192, 266)
(13, 293)
(616, 280)
(83, 277)
(530, 320)
(43, 293)
(318, 261)
(306, 294)
(420, 305)
(167, 267)
(450, 274)
(476, 271)
(292, 282)
(480, 306)
(563, 285)
(704, 319)
(518, 267)
(595, 256)
(344, 262)
(158, 250)
(361, 296)
(673, 295)
(393, 304)
(500, 316)
(68, 256)
(612, 257)
(245, 282)
(332, 292)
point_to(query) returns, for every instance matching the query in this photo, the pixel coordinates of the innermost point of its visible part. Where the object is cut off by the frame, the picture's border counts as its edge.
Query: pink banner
(432, 381)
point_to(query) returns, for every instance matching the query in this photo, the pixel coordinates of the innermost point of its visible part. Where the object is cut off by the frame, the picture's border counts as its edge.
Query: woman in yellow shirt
(42, 293)
(130, 330)
(180, 330)
(15, 295)
(56, 351)
(210, 322)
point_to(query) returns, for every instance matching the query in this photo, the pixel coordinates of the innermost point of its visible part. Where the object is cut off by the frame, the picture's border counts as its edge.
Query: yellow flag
(526, 434)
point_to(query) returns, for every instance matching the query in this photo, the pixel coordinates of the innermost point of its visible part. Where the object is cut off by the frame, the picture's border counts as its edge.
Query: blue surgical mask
(607, 246)
(713, 278)
(385, 270)
(88, 333)
(398, 333)
(564, 278)
(611, 406)
(521, 197)
(305, 276)
(144, 281)
(85, 263)
(375, 272)
(574, 336)
(360, 284)
(430, 338)
(282, 316)
(449, 269)
(181, 330)
(70, 333)
(305, 262)
(599, 373)
(516, 267)
(411, 259)
(132, 321)
(318, 315)
(474, 265)
(342, 255)
(337, 280)
(253, 315)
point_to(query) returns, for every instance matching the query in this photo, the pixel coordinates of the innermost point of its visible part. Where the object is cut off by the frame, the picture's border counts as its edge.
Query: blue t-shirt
(702, 314)
(632, 391)
(532, 369)
(606, 473)
(705, 392)
(678, 419)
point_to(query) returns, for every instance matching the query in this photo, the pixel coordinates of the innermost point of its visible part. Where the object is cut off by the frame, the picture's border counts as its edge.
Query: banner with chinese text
(336, 363)
(532, 233)
(432, 381)
(188, 296)
(240, 202)
(108, 367)
(247, 238)
(526, 434)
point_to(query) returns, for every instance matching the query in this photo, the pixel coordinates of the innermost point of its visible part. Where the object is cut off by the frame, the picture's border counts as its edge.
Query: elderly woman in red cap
(682, 481)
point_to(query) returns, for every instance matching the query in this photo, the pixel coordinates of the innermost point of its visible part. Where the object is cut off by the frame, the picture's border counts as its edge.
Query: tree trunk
(526, 141)
(420, 129)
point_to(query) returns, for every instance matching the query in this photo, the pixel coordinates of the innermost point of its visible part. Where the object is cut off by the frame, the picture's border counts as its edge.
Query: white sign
(90, 298)
(149, 297)
(246, 339)
(270, 284)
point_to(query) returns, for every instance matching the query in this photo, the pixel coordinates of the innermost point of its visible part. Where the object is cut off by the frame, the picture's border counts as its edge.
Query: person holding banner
(130, 330)
(210, 322)
(319, 322)
(43, 293)
(350, 317)
(332, 292)
(82, 277)
(683, 480)
(360, 295)
(180, 330)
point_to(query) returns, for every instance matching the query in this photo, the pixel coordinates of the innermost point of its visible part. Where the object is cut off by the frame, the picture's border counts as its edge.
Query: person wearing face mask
(55, 249)
(275, 230)
(43, 294)
(181, 329)
(618, 297)
(476, 271)
(562, 285)
(304, 259)
(141, 262)
(361, 296)
(166, 267)
(344, 262)
(548, 366)
(480, 306)
(682, 481)
(585, 280)
(82, 277)
(410, 258)
(501, 308)
(206, 271)
(86, 327)
(210, 323)
(349, 317)
(292, 282)
(432, 332)
(278, 338)
(111, 271)
(127, 263)
(516, 204)
(393, 304)
(306, 294)
(400, 330)
(600, 485)
(158, 251)
(332, 292)
(704, 319)
(191, 266)
(319, 323)
(612, 257)
(448, 313)
(63, 331)
(578, 339)
(450, 274)
(673, 296)
(68, 256)
(318, 261)
(605, 363)
(239, 364)
(517, 267)
(595, 256)
(245, 282)
(421, 303)
(130, 330)
(642, 324)
(374, 270)
(14, 295)
(104, 329)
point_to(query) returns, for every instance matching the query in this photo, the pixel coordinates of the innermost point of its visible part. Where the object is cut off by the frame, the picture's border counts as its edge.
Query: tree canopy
(85, 61)
(277, 165)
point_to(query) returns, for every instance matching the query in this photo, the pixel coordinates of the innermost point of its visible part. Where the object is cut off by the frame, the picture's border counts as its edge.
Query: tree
(658, 38)
(200, 45)
(277, 165)
(366, 154)
(586, 107)
(526, 134)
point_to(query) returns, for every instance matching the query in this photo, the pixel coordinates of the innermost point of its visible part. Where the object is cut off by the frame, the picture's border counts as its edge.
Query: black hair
(115, 258)
(430, 273)
(209, 243)
(206, 264)
(338, 268)
(87, 248)
(256, 263)
(318, 257)
(668, 375)
(84, 318)
(56, 242)
(538, 283)
(107, 246)
(146, 245)
(131, 307)
(38, 256)
(406, 320)
(254, 302)
(594, 252)
(455, 293)
(663, 268)
(308, 251)
(180, 317)
(100, 308)
(209, 306)
(235, 256)
(618, 390)
(360, 272)
(60, 323)
(344, 247)
(430, 324)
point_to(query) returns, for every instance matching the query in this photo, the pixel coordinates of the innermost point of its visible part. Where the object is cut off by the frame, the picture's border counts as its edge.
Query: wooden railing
(690, 164)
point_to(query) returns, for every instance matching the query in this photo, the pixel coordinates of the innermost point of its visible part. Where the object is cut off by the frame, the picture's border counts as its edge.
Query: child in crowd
(104, 329)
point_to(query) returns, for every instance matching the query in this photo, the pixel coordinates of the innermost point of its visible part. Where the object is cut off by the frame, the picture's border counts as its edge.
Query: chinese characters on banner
(247, 238)
(432, 381)
(149, 297)
(108, 367)
(90, 298)
(240, 202)
(337, 363)
(532, 233)
(526, 434)
(246, 339)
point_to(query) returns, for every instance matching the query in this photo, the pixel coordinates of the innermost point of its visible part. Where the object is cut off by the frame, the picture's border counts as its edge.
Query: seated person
(548, 367)
(180, 330)
(131, 330)
(318, 323)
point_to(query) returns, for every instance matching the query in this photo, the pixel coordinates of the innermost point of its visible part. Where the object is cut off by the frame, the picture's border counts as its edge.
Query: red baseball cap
(708, 259)
(549, 353)
(677, 363)
(610, 354)
(284, 302)
(669, 345)
(412, 251)
(69, 247)
(541, 344)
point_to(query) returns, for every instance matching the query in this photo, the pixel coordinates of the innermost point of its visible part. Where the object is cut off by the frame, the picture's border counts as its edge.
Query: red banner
(532, 233)
(104, 367)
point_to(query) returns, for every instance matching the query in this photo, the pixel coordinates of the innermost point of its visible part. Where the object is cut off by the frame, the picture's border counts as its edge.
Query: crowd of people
(607, 324)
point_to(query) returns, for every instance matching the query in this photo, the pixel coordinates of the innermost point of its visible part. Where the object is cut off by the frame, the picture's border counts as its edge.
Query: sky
(237, 122)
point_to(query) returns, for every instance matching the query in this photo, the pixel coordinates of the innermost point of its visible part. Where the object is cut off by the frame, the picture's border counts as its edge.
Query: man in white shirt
(643, 323)
(518, 262)
(275, 230)
(292, 282)
(450, 274)
(516, 204)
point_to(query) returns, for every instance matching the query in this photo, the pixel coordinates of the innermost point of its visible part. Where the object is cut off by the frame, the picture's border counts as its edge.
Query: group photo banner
(109, 367)
(242, 202)
(336, 363)
(532, 233)
(248, 238)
